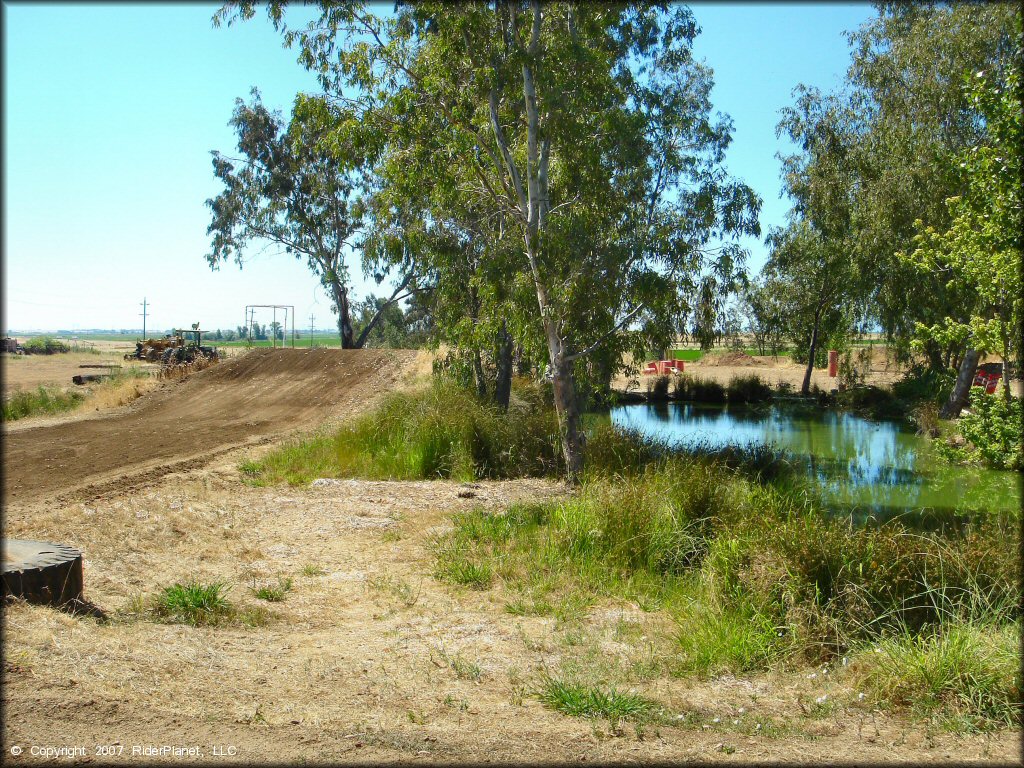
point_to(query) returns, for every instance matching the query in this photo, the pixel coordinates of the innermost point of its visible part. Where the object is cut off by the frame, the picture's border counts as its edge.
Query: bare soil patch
(247, 399)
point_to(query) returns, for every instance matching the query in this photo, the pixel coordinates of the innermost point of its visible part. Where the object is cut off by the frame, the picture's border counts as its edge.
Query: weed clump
(968, 677)
(194, 603)
(274, 593)
(578, 700)
(44, 399)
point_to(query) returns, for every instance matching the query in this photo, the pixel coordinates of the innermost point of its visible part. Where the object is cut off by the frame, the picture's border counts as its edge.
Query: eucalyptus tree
(587, 128)
(899, 127)
(815, 274)
(290, 190)
(979, 254)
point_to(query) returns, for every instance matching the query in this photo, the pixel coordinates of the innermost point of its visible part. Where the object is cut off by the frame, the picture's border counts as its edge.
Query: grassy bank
(755, 578)
(729, 546)
(39, 401)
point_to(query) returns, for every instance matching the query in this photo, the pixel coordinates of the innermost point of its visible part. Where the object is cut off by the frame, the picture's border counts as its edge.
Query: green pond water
(872, 469)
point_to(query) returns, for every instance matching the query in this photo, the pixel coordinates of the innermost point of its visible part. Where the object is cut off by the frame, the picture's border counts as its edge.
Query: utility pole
(310, 330)
(144, 305)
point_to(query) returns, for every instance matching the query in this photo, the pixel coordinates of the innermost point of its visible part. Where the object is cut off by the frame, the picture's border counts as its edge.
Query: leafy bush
(994, 426)
(45, 345)
(924, 385)
(748, 389)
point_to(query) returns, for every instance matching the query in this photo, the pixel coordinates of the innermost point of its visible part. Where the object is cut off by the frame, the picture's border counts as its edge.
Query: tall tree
(290, 189)
(587, 127)
(816, 274)
(904, 122)
(979, 255)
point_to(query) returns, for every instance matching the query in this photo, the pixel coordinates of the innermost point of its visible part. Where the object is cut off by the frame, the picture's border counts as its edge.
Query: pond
(878, 469)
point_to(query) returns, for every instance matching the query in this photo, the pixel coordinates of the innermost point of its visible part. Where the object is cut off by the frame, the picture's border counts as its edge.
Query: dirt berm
(246, 400)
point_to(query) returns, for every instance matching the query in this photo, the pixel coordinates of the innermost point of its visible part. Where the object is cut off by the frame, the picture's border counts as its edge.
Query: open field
(366, 656)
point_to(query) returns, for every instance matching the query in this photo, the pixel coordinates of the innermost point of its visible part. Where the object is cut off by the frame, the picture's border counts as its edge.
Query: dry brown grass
(367, 648)
(118, 392)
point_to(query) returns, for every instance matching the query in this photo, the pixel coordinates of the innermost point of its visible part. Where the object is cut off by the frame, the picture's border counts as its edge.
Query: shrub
(42, 400)
(748, 389)
(45, 345)
(699, 390)
(657, 388)
(875, 402)
(994, 426)
(920, 385)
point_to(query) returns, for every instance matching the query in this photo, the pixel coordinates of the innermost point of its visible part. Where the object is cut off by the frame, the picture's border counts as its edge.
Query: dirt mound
(184, 423)
(734, 357)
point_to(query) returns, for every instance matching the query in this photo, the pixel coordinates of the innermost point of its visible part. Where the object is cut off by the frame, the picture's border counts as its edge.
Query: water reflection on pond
(877, 467)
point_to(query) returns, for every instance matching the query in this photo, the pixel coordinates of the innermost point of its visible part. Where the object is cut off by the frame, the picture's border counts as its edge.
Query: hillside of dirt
(183, 424)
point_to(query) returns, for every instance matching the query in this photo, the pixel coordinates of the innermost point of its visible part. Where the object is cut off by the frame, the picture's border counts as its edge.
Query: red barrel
(833, 363)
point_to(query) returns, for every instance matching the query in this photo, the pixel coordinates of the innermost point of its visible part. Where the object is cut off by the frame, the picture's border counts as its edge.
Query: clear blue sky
(110, 112)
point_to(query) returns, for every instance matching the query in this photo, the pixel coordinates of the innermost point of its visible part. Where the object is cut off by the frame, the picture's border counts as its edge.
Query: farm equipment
(180, 347)
(12, 346)
(152, 350)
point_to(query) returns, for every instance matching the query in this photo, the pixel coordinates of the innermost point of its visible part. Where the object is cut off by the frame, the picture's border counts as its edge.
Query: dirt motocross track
(246, 400)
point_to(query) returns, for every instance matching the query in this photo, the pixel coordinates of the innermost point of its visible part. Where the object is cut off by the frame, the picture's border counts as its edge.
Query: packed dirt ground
(368, 658)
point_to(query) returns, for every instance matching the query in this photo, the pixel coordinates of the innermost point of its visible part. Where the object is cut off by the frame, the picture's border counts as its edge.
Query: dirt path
(184, 424)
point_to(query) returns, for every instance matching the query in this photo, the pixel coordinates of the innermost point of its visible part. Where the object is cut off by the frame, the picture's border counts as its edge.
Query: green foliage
(49, 400)
(698, 390)
(748, 389)
(578, 700)
(995, 427)
(194, 603)
(734, 638)
(924, 385)
(441, 432)
(45, 345)
(477, 135)
(978, 255)
(966, 676)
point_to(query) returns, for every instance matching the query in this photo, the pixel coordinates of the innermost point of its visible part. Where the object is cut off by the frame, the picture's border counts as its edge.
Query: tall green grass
(753, 574)
(32, 402)
(441, 432)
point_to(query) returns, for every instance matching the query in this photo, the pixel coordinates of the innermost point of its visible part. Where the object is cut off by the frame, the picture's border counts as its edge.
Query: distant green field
(320, 338)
